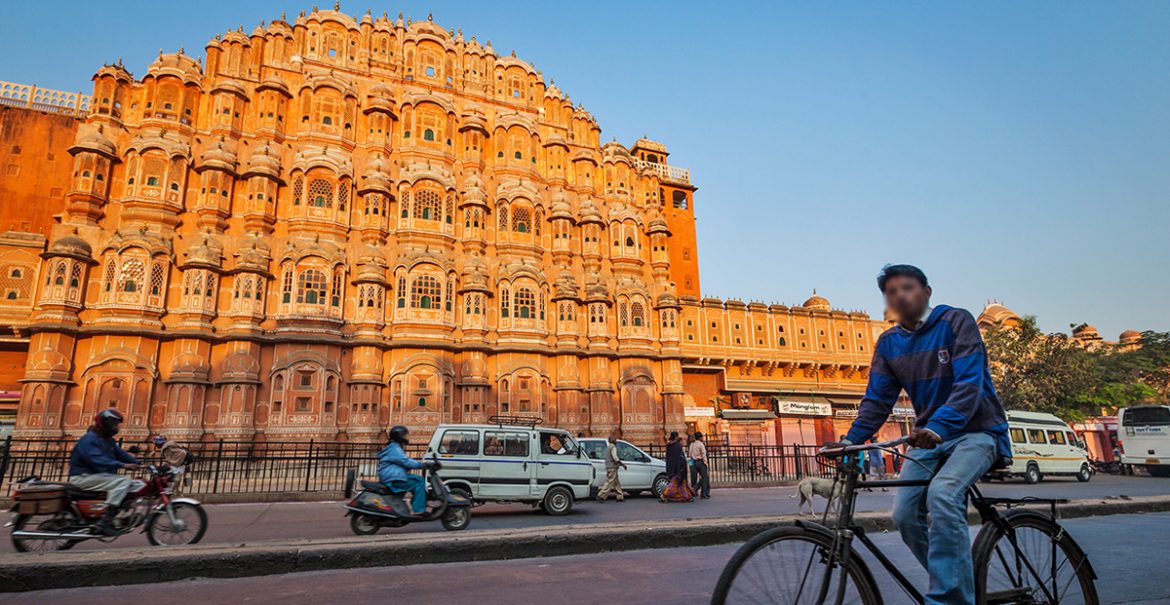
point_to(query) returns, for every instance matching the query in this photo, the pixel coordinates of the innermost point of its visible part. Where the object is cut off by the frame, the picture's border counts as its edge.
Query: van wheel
(558, 501)
(1032, 476)
(1085, 474)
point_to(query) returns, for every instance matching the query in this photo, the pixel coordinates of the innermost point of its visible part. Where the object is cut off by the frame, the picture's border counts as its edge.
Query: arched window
(521, 220)
(311, 287)
(298, 189)
(401, 292)
(428, 205)
(428, 134)
(131, 277)
(637, 314)
(505, 304)
(425, 293)
(623, 314)
(286, 286)
(525, 304)
(320, 193)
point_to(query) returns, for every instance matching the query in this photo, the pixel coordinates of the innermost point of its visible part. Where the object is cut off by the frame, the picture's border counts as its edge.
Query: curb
(43, 571)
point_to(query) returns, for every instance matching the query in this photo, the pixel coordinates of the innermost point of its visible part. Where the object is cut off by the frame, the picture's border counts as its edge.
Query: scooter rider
(394, 468)
(94, 464)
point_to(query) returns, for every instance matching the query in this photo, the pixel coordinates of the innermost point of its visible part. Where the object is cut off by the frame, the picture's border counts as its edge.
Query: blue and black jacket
(942, 366)
(94, 454)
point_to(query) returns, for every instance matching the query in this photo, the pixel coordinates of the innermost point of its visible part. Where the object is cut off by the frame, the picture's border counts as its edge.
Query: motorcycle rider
(394, 468)
(94, 464)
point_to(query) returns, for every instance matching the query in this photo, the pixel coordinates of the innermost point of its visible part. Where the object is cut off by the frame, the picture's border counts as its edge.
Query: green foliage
(1052, 373)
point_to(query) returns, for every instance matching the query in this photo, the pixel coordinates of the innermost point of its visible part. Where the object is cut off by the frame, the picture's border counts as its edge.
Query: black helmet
(107, 421)
(399, 434)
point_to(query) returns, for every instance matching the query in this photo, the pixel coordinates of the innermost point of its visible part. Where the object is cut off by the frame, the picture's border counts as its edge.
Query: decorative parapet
(666, 172)
(28, 96)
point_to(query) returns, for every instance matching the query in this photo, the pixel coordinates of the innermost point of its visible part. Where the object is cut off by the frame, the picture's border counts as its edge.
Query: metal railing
(245, 467)
(29, 96)
(666, 171)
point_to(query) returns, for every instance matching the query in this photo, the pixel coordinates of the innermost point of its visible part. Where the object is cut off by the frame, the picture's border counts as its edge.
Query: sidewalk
(142, 565)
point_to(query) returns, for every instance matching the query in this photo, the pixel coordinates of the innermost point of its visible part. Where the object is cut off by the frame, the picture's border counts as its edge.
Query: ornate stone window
(311, 288)
(425, 293)
(525, 304)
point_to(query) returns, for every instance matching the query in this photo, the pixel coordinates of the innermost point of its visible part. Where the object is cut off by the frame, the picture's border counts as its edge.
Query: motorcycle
(57, 516)
(1113, 467)
(376, 506)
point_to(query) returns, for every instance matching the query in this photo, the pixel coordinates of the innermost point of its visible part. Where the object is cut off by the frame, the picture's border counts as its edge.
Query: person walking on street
(937, 356)
(678, 489)
(699, 476)
(612, 483)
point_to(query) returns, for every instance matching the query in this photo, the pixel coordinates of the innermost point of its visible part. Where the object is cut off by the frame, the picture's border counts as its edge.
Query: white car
(513, 463)
(1043, 444)
(645, 472)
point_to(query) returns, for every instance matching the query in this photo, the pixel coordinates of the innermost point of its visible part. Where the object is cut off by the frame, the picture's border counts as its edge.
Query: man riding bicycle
(937, 356)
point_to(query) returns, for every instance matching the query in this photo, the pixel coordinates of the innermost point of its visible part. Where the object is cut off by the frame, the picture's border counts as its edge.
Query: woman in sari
(678, 490)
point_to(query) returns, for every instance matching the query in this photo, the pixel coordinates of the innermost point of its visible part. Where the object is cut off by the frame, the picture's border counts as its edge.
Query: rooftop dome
(1130, 337)
(97, 142)
(817, 302)
(995, 314)
(1085, 332)
(73, 246)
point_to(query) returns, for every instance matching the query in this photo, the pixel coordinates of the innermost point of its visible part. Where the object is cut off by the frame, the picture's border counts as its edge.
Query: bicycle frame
(846, 531)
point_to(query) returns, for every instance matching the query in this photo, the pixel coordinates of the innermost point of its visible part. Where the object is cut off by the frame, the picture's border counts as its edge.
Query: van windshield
(1147, 416)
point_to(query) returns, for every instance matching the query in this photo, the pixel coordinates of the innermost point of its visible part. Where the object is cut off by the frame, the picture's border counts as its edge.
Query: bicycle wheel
(1048, 567)
(787, 566)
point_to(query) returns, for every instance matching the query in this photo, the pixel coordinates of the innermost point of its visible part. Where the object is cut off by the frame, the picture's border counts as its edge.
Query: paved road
(1122, 557)
(249, 523)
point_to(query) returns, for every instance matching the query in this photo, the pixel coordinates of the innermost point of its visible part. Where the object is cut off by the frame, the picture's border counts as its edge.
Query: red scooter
(56, 516)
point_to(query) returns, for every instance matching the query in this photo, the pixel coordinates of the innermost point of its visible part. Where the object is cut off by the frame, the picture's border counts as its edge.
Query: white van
(514, 461)
(1043, 444)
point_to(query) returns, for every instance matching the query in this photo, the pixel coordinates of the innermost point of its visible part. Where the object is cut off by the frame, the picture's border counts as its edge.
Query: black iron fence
(238, 467)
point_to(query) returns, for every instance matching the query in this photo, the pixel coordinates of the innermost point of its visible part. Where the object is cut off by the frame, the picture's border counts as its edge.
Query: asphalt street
(252, 523)
(1123, 549)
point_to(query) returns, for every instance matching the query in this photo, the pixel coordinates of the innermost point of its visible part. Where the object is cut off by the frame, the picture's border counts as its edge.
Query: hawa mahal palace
(329, 225)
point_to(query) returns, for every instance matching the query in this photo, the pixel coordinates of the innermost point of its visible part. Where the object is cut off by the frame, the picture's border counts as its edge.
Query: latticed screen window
(311, 287)
(109, 275)
(287, 286)
(525, 303)
(132, 274)
(637, 314)
(374, 204)
(156, 279)
(298, 190)
(320, 193)
(536, 224)
(342, 195)
(505, 303)
(75, 276)
(521, 220)
(503, 212)
(336, 294)
(623, 315)
(401, 292)
(425, 292)
(428, 205)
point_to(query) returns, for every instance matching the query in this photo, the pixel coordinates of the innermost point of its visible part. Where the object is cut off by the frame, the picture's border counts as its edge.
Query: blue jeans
(415, 485)
(943, 545)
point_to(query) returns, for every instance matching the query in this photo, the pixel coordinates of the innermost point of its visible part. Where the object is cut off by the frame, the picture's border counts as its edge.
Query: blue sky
(1018, 151)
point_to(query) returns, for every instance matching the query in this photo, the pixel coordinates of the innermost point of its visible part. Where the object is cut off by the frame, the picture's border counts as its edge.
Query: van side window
(1036, 436)
(459, 442)
(552, 444)
(1018, 436)
(1056, 437)
(505, 443)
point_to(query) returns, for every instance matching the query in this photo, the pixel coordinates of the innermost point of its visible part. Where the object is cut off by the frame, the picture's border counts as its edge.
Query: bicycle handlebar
(832, 452)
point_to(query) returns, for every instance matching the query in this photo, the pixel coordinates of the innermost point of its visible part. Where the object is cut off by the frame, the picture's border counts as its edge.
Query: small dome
(264, 161)
(817, 302)
(995, 314)
(73, 246)
(1131, 337)
(97, 142)
(1086, 332)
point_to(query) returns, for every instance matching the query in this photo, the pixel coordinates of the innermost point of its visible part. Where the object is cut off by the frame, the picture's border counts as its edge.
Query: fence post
(796, 461)
(218, 461)
(4, 458)
(751, 463)
(309, 465)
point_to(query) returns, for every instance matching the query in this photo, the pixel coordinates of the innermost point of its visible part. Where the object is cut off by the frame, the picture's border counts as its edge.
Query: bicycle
(1021, 555)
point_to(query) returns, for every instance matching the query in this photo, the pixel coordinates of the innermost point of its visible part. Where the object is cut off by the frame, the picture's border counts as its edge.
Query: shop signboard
(699, 412)
(804, 408)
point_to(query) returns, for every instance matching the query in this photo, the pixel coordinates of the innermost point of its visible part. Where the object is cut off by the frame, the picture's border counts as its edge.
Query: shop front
(749, 426)
(900, 422)
(803, 420)
(1099, 435)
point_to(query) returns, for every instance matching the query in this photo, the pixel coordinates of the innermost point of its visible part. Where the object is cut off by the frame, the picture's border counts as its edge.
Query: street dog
(825, 488)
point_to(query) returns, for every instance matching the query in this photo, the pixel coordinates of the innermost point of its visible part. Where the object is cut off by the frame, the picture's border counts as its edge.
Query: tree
(1053, 373)
(1041, 372)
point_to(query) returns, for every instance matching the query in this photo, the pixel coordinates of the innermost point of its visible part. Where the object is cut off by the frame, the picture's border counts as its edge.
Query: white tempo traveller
(514, 460)
(1043, 444)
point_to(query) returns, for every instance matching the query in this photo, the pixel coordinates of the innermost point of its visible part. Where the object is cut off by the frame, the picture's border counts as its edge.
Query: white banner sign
(904, 412)
(699, 412)
(804, 408)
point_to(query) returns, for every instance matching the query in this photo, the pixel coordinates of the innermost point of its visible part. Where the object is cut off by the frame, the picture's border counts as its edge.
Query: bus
(1144, 437)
